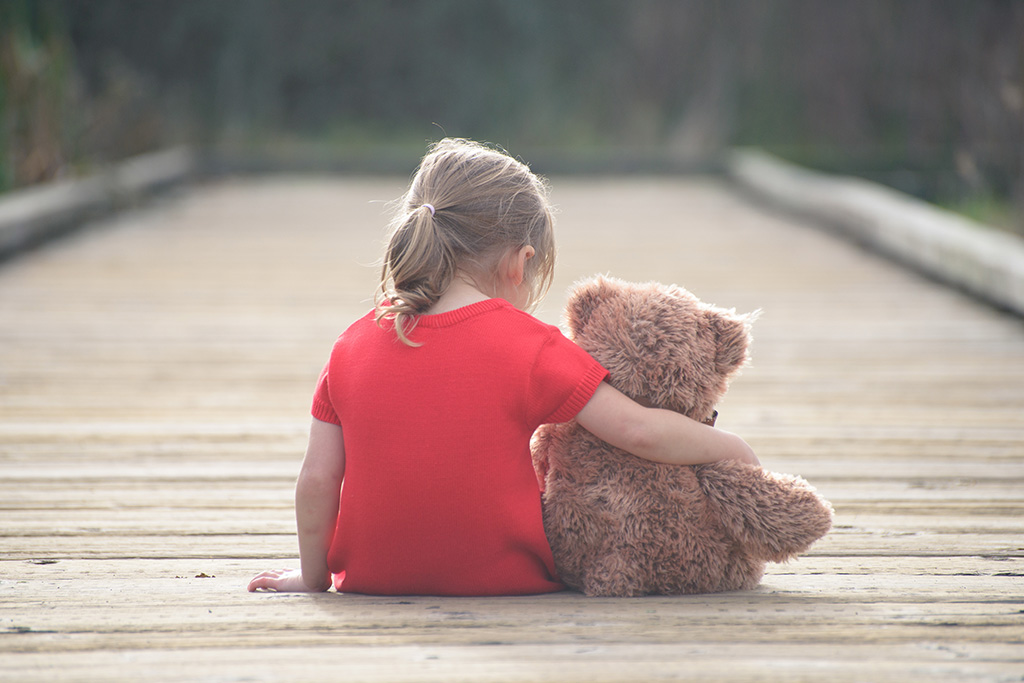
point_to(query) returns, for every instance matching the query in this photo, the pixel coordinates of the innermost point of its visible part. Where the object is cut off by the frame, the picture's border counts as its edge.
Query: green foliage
(990, 210)
(927, 95)
(34, 85)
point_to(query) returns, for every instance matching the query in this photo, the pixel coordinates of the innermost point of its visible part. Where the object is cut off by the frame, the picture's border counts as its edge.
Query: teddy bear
(619, 525)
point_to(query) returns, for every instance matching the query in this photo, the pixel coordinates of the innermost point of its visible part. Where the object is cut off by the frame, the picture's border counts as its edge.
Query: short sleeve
(563, 380)
(323, 409)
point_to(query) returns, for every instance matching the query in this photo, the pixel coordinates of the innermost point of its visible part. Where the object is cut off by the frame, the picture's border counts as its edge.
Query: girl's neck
(459, 294)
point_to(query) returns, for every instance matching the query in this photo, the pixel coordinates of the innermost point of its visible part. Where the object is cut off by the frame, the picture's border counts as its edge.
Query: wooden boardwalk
(155, 375)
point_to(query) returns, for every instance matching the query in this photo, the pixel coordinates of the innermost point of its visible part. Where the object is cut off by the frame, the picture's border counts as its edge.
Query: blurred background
(924, 95)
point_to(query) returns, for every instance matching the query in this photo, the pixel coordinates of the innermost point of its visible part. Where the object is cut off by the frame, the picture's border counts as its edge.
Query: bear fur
(623, 526)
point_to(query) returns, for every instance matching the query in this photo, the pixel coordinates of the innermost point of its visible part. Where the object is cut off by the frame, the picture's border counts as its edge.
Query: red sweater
(440, 496)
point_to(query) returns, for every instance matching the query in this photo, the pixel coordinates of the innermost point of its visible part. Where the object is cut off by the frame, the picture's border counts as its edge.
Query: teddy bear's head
(662, 345)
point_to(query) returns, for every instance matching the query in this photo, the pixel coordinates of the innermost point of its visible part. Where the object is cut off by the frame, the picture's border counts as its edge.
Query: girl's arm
(658, 435)
(317, 495)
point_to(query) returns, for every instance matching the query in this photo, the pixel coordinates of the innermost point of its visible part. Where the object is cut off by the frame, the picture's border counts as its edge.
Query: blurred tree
(927, 95)
(921, 94)
(36, 88)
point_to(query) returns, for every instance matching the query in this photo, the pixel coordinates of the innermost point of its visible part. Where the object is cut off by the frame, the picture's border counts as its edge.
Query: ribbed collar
(460, 314)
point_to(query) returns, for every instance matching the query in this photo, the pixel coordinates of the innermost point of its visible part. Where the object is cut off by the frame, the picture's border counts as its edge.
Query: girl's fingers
(260, 583)
(267, 580)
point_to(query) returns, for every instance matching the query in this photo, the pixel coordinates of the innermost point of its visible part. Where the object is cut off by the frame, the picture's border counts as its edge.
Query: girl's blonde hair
(468, 205)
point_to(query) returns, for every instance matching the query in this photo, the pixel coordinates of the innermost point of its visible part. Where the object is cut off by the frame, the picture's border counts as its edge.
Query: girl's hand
(282, 581)
(316, 513)
(744, 453)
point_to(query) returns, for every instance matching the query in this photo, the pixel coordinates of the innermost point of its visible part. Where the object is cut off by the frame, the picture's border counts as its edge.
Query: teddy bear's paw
(773, 516)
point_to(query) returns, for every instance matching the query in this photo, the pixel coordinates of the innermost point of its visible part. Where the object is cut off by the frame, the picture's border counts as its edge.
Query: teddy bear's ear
(585, 298)
(732, 332)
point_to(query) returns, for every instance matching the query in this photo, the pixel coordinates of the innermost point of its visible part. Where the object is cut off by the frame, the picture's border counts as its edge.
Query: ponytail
(419, 265)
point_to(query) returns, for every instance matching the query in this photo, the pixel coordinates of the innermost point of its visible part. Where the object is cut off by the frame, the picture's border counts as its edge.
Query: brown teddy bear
(623, 526)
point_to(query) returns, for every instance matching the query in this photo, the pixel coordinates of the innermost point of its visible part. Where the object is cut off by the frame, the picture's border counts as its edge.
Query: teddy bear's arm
(658, 435)
(776, 516)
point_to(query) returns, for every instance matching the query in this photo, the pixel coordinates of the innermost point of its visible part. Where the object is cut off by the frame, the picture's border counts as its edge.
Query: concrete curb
(31, 216)
(955, 250)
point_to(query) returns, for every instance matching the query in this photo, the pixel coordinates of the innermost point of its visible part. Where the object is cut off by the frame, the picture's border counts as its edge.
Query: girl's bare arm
(658, 435)
(317, 495)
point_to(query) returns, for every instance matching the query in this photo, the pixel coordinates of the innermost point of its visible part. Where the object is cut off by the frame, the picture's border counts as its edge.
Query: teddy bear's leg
(742, 572)
(577, 530)
(618, 572)
(671, 559)
(566, 547)
(697, 561)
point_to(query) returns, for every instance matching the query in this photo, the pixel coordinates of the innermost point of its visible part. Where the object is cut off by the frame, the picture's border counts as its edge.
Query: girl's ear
(517, 264)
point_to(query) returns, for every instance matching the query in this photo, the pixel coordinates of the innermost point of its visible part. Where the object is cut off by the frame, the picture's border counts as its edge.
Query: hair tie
(431, 207)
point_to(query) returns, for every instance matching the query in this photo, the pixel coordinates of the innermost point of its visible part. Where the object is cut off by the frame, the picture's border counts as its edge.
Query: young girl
(426, 407)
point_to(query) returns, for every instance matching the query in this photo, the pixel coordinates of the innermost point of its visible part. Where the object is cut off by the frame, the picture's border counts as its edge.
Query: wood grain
(155, 378)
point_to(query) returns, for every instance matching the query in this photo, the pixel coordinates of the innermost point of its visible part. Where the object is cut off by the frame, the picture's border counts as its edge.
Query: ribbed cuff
(324, 412)
(582, 395)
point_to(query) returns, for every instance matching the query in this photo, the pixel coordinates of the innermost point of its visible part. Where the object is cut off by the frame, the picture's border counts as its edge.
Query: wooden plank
(842, 542)
(275, 518)
(185, 611)
(202, 615)
(581, 663)
(155, 378)
(177, 493)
